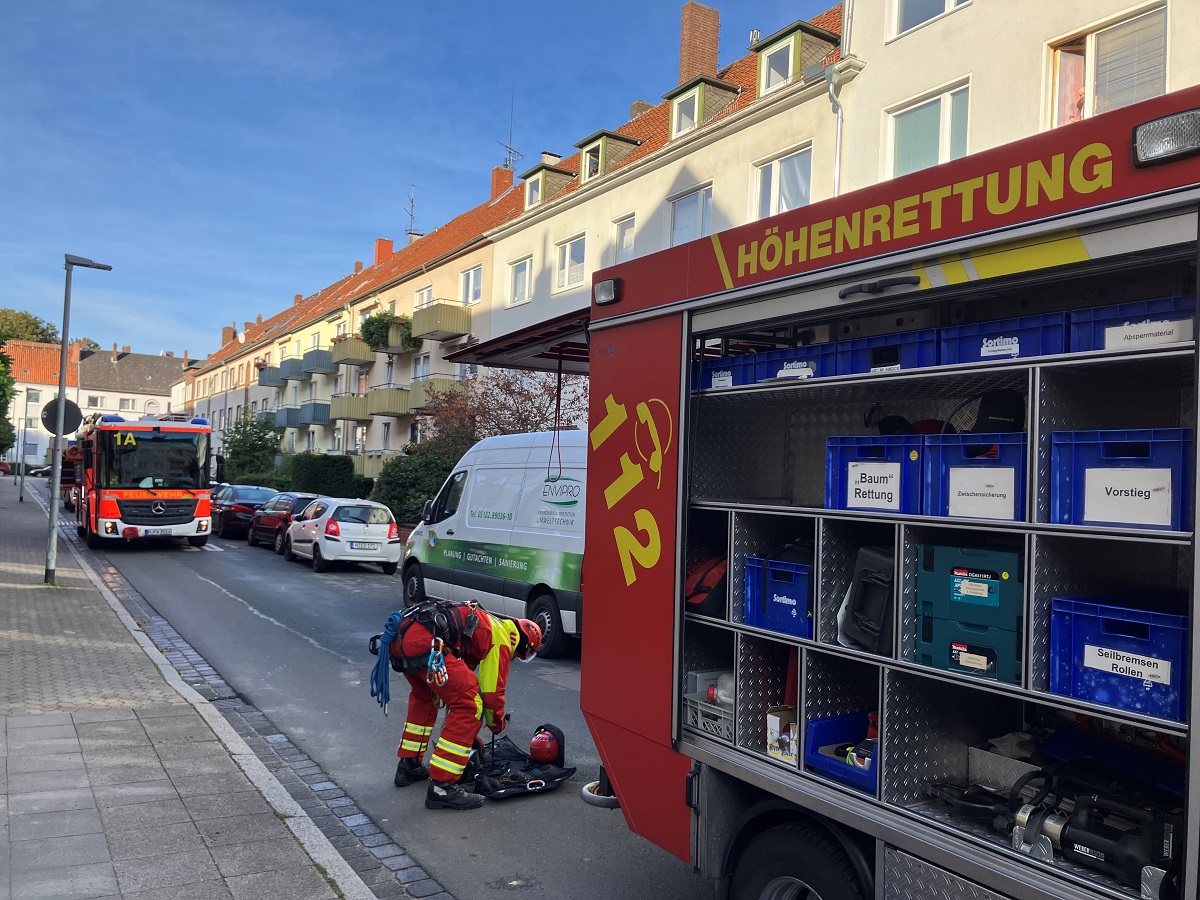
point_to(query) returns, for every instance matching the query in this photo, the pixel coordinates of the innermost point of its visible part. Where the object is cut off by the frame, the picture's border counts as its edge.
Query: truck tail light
(332, 529)
(393, 532)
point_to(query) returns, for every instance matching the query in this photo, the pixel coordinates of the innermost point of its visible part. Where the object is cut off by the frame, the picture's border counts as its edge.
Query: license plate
(152, 532)
(363, 545)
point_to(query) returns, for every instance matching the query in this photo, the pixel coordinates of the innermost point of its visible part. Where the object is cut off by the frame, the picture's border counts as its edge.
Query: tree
(8, 387)
(377, 331)
(88, 343)
(508, 401)
(8, 435)
(251, 445)
(407, 481)
(17, 325)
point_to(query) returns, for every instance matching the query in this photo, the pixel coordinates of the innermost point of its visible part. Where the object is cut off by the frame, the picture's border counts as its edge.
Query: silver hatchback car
(335, 529)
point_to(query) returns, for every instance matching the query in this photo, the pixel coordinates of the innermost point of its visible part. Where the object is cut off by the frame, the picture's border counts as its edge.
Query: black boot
(409, 770)
(443, 795)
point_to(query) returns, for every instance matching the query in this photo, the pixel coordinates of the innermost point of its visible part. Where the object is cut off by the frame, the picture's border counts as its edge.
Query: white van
(506, 529)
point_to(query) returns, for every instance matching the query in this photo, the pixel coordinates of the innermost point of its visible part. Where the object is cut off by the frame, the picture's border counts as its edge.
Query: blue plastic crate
(875, 472)
(1090, 328)
(777, 596)
(726, 372)
(1037, 335)
(833, 732)
(1119, 656)
(813, 361)
(975, 476)
(888, 352)
(1138, 478)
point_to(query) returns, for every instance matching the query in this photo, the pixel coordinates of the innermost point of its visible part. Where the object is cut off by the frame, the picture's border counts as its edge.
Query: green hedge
(315, 473)
(271, 479)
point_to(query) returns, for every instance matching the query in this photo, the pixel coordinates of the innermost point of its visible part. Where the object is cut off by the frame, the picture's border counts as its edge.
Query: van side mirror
(427, 513)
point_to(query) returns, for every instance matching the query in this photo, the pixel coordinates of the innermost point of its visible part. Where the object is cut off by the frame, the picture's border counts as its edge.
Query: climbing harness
(452, 624)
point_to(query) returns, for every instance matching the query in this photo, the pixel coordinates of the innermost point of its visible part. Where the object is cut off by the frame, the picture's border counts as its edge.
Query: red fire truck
(938, 434)
(143, 478)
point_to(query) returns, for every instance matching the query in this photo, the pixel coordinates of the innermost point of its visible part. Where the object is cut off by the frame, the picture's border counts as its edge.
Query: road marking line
(214, 548)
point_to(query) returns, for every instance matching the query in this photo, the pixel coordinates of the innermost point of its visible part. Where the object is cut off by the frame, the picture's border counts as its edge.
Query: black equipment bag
(867, 622)
(508, 771)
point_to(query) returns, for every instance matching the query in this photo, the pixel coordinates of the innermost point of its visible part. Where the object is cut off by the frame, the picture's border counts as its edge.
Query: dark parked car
(233, 505)
(271, 520)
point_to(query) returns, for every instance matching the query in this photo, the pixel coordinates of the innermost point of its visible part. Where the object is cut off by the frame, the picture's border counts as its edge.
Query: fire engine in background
(143, 478)
(938, 434)
(72, 456)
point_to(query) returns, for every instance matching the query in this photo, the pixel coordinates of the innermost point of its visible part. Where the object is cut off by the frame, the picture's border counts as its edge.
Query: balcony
(292, 369)
(395, 342)
(422, 387)
(319, 361)
(375, 460)
(287, 417)
(268, 417)
(352, 351)
(315, 412)
(350, 407)
(388, 400)
(442, 320)
(270, 377)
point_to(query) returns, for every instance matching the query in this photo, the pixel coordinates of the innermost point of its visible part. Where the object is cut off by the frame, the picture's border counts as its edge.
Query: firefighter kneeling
(439, 646)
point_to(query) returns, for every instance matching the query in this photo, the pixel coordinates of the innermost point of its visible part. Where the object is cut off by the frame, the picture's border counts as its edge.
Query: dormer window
(601, 152)
(776, 65)
(685, 112)
(533, 191)
(697, 101)
(590, 166)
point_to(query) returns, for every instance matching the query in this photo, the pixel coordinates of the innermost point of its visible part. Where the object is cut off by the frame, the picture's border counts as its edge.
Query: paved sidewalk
(117, 778)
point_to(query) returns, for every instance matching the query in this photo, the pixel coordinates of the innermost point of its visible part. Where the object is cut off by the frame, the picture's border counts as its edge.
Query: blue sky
(223, 155)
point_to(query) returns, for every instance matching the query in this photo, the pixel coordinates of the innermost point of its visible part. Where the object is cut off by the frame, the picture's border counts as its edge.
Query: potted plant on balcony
(377, 332)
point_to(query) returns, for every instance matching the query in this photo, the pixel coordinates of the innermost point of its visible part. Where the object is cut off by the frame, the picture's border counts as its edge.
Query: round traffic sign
(71, 416)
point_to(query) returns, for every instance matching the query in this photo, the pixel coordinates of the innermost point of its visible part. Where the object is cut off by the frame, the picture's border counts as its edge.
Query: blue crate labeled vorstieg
(1129, 326)
(888, 352)
(1138, 478)
(799, 363)
(1024, 336)
(975, 476)
(726, 372)
(778, 596)
(1119, 656)
(874, 472)
(824, 737)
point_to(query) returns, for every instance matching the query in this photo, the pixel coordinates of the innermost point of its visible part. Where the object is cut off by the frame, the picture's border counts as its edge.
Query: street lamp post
(70, 262)
(24, 438)
(16, 473)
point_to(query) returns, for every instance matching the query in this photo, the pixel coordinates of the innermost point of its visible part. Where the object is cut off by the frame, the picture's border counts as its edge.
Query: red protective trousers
(464, 711)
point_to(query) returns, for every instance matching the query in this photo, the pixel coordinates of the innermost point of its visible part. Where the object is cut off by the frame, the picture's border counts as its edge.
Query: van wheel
(544, 611)
(319, 563)
(795, 860)
(287, 549)
(414, 585)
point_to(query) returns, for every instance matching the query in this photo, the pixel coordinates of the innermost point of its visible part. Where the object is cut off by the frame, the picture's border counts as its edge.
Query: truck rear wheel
(795, 862)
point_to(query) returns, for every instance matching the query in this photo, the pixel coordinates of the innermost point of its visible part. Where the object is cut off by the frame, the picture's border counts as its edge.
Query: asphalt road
(293, 644)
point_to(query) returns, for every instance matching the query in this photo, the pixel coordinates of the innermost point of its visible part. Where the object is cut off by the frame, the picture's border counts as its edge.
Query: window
(784, 183)
(291, 442)
(95, 402)
(340, 328)
(32, 422)
(415, 432)
(776, 66)
(314, 340)
(387, 433)
(308, 441)
(533, 191)
(691, 216)
(254, 407)
(125, 404)
(467, 370)
(624, 239)
(32, 396)
(472, 285)
(518, 280)
(239, 412)
(241, 372)
(929, 133)
(590, 167)
(685, 115)
(151, 407)
(570, 263)
(911, 13)
(420, 366)
(423, 297)
(446, 503)
(389, 370)
(1111, 68)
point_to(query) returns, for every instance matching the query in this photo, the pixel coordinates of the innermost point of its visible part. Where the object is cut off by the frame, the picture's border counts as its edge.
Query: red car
(5, 468)
(234, 504)
(270, 521)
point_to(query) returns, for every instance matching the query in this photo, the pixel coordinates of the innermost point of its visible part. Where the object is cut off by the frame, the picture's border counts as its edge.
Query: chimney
(170, 354)
(74, 352)
(228, 333)
(114, 352)
(502, 180)
(125, 349)
(258, 321)
(412, 237)
(296, 300)
(247, 328)
(383, 249)
(698, 41)
(185, 359)
(639, 107)
(357, 266)
(549, 159)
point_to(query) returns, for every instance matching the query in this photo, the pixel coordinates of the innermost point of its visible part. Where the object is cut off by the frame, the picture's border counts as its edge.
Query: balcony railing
(270, 377)
(389, 400)
(287, 417)
(374, 461)
(352, 351)
(350, 407)
(268, 417)
(292, 369)
(423, 386)
(315, 412)
(395, 341)
(319, 361)
(441, 320)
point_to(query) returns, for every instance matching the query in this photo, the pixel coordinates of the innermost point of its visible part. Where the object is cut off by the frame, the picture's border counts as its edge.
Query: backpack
(705, 586)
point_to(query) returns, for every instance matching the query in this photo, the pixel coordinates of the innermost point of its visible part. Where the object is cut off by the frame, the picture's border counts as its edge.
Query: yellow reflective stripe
(452, 747)
(504, 633)
(919, 271)
(453, 768)
(1058, 249)
(412, 745)
(954, 270)
(418, 729)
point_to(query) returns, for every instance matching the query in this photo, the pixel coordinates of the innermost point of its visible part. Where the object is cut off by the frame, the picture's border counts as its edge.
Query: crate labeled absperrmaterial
(888, 352)
(1138, 478)
(796, 363)
(777, 596)
(880, 473)
(1024, 336)
(977, 650)
(1130, 326)
(727, 372)
(1104, 651)
(975, 476)
(838, 748)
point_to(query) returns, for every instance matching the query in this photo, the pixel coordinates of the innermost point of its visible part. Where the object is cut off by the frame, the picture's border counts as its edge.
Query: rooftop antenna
(512, 154)
(412, 231)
